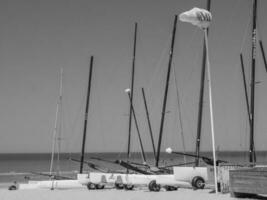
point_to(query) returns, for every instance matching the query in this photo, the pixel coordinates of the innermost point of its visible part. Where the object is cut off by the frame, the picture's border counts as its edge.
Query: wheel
(100, 186)
(153, 186)
(119, 186)
(128, 187)
(12, 187)
(91, 186)
(170, 188)
(198, 182)
(167, 188)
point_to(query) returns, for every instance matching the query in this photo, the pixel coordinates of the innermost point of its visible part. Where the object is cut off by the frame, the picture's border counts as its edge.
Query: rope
(245, 35)
(179, 112)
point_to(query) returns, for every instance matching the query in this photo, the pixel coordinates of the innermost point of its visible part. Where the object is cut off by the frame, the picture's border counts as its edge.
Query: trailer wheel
(128, 187)
(170, 188)
(153, 186)
(91, 186)
(100, 186)
(198, 182)
(12, 187)
(119, 186)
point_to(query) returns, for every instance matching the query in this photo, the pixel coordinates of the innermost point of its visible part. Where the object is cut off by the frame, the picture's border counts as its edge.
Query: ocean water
(24, 167)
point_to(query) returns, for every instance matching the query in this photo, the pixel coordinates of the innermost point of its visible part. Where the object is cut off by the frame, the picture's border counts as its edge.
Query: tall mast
(137, 127)
(245, 86)
(201, 97)
(263, 55)
(149, 123)
(86, 113)
(56, 123)
(252, 155)
(166, 91)
(132, 93)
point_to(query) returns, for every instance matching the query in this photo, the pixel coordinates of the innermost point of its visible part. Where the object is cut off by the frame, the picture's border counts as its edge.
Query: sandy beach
(110, 194)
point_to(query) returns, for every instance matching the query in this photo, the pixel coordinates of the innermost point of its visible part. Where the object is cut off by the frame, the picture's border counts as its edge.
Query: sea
(21, 168)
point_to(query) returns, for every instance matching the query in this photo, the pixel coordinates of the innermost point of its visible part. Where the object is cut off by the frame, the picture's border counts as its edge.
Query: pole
(86, 113)
(56, 122)
(252, 155)
(149, 124)
(201, 97)
(166, 91)
(263, 55)
(137, 128)
(132, 91)
(245, 87)
(211, 109)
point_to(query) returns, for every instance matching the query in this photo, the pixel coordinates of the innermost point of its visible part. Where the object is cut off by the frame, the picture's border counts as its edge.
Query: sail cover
(197, 16)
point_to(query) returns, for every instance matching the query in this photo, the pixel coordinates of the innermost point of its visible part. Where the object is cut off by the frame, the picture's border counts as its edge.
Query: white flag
(197, 16)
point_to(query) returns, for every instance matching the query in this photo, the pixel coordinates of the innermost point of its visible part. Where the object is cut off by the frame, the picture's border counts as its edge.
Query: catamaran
(182, 176)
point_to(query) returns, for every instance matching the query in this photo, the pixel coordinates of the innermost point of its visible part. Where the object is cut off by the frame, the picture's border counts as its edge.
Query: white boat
(129, 181)
(51, 184)
(196, 176)
(81, 181)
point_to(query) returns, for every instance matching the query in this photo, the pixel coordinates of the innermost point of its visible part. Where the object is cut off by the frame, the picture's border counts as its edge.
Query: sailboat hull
(51, 184)
(135, 179)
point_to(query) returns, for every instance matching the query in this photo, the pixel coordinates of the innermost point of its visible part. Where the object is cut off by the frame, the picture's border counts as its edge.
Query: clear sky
(38, 37)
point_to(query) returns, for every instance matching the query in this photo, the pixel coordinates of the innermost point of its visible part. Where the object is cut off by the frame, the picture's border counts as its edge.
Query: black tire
(91, 186)
(128, 187)
(119, 186)
(153, 186)
(100, 186)
(198, 182)
(12, 187)
(170, 188)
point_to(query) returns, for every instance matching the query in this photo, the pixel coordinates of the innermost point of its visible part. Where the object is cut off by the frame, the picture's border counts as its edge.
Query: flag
(197, 16)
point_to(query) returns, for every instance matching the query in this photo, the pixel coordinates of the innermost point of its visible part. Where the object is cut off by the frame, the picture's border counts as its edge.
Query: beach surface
(111, 194)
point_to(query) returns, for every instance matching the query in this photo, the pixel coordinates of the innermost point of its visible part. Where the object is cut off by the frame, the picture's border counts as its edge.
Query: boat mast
(252, 155)
(56, 123)
(201, 98)
(263, 55)
(149, 124)
(86, 113)
(166, 91)
(245, 86)
(137, 127)
(132, 92)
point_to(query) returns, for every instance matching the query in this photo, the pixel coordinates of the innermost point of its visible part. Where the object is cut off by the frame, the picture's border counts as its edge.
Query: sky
(38, 38)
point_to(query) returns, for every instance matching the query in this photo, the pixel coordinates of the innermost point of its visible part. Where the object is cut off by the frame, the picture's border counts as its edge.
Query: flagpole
(211, 109)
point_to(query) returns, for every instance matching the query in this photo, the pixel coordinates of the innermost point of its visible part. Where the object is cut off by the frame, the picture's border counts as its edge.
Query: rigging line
(122, 151)
(56, 123)
(158, 68)
(59, 139)
(259, 41)
(247, 31)
(179, 111)
(195, 55)
(187, 81)
(78, 116)
(163, 53)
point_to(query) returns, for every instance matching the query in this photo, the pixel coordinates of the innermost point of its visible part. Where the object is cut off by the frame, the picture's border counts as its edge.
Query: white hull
(28, 186)
(135, 179)
(140, 179)
(51, 184)
(188, 173)
(60, 184)
(99, 177)
(83, 178)
(182, 177)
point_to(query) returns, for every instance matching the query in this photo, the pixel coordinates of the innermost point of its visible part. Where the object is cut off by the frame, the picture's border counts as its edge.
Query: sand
(111, 194)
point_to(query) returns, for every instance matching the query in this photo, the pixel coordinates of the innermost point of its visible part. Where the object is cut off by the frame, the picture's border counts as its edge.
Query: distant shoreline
(30, 156)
